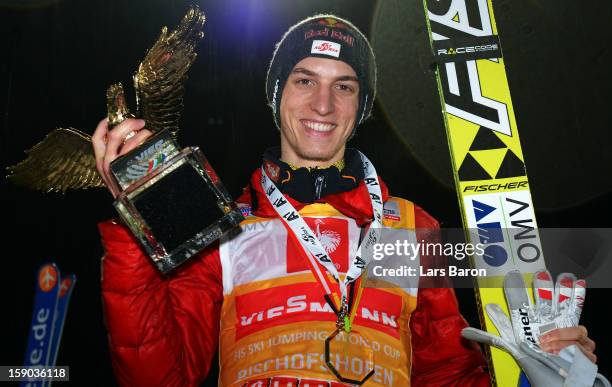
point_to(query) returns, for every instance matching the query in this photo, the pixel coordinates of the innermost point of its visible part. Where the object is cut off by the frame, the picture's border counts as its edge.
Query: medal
(337, 344)
(337, 348)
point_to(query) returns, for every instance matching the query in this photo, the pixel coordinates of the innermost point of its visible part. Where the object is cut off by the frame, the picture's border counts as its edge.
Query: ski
(63, 299)
(487, 159)
(51, 301)
(40, 340)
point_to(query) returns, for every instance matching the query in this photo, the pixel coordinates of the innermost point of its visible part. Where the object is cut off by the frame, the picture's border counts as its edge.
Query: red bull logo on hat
(331, 22)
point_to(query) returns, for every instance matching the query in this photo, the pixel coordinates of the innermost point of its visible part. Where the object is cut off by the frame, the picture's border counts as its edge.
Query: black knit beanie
(323, 36)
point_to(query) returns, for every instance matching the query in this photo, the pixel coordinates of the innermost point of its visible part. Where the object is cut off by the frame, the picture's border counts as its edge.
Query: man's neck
(338, 164)
(309, 185)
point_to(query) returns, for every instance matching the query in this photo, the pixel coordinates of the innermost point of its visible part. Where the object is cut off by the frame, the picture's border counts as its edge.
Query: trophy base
(199, 242)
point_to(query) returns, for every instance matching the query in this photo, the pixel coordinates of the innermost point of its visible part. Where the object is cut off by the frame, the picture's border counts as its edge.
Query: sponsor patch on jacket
(290, 381)
(272, 170)
(391, 211)
(333, 235)
(246, 211)
(325, 47)
(303, 302)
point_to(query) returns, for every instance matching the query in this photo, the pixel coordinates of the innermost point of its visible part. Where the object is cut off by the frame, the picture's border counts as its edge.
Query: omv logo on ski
(147, 161)
(490, 234)
(519, 238)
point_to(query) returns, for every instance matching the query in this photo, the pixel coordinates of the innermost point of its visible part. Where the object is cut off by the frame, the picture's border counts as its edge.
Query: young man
(257, 293)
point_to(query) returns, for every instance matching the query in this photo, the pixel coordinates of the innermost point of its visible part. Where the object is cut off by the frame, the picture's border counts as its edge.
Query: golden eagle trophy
(169, 197)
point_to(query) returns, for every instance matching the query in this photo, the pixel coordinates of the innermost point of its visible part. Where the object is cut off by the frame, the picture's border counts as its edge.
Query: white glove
(556, 307)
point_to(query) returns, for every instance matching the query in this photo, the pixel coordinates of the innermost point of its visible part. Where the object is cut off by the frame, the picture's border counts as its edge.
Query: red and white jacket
(254, 298)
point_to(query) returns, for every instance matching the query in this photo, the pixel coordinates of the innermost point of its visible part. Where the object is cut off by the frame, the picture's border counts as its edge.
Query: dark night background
(58, 58)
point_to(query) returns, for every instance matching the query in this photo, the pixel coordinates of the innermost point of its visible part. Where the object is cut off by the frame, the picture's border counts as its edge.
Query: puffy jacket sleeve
(163, 330)
(440, 356)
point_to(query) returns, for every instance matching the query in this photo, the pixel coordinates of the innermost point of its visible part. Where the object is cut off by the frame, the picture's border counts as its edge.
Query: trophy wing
(63, 160)
(161, 76)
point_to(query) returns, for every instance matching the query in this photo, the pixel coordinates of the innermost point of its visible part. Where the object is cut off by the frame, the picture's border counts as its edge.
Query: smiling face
(318, 111)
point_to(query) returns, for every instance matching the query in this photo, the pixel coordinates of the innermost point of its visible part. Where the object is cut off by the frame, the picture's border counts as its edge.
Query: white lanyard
(315, 250)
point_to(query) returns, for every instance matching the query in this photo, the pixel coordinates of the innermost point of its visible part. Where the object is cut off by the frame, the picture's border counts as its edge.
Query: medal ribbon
(315, 251)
